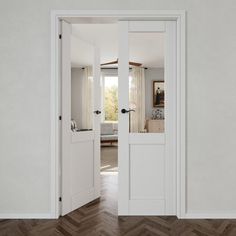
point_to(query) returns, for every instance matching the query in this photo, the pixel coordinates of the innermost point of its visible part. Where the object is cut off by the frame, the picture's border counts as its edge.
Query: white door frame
(104, 16)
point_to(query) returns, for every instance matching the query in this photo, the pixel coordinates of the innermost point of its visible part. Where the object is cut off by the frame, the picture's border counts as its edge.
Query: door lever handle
(97, 112)
(126, 111)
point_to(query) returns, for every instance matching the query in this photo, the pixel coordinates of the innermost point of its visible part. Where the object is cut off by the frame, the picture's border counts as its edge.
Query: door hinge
(60, 199)
(59, 36)
(59, 117)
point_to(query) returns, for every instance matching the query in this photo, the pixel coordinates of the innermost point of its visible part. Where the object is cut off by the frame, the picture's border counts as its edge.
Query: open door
(147, 148)
(80, 145)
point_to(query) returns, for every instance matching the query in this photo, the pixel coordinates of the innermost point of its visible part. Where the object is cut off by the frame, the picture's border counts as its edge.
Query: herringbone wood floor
(100, 218)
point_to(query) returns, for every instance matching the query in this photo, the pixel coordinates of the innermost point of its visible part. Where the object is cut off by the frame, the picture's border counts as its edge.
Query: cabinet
(155, 126)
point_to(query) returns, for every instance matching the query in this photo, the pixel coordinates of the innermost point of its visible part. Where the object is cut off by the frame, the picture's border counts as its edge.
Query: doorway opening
(145, 84)
(95, 109)
(109, 122)
(139, 132)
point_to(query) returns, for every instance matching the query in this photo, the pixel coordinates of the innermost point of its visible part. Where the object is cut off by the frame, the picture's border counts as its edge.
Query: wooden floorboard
(99, 218)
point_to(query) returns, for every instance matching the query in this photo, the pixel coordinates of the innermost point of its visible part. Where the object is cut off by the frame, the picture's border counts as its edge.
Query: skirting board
(186, 216)
(27, 216)
(209, 216)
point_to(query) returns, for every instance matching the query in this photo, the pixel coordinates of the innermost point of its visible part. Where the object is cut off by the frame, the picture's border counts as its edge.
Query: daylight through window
(111, 98)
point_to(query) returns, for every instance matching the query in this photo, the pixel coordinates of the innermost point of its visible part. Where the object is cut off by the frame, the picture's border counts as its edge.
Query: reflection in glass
(158, 94)
(146, 83)
(82, 99)
(137, 100)
(87, 99)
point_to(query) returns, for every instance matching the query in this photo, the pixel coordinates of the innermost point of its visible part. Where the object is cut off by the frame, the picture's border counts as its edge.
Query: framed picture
(158, 94)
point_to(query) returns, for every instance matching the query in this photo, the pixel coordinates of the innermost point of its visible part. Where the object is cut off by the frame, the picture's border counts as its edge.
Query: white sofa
(109, 132)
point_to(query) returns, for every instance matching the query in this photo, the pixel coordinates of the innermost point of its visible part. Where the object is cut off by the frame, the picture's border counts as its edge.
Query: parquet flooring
(99, 218)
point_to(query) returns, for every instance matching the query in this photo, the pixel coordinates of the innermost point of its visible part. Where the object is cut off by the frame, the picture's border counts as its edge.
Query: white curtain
(137, 100)
(87, 98)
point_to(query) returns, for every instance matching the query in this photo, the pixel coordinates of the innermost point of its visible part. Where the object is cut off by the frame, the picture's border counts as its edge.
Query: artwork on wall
(158, 94)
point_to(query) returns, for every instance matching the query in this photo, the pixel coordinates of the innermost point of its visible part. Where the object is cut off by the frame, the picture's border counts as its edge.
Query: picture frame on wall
(158, 94)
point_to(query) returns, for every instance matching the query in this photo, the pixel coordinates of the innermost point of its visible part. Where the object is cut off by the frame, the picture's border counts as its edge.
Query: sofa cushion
(112, 137)
(115, 128)
(107, 129)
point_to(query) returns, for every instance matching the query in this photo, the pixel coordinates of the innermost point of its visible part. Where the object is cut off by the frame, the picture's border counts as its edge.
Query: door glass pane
(110, 99)
(146, 83)
(81, 85)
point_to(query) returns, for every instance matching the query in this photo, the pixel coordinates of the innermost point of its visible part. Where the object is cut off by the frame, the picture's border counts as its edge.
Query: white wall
(76, 95)
(25, 101)
(151, 74)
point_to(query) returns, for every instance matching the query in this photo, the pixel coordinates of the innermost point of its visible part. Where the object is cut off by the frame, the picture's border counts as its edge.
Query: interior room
(146, 79)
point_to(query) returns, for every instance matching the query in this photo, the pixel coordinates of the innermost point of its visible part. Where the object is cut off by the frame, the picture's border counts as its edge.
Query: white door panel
(123, 93)
(81, 175)
(82, 198)
(147, 172)
(147, 207)
(82, 136)
(80, 149)
(147, 182)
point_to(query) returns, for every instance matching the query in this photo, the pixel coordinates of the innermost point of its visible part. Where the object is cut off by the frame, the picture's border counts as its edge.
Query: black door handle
(97, 112)
(126, 111)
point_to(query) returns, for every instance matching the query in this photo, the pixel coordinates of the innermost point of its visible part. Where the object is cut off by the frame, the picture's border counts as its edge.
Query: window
(110, 98)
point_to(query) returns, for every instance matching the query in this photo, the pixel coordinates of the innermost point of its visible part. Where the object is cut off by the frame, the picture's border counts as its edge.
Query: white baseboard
(186, 216)
(209, 216)
(26, 216)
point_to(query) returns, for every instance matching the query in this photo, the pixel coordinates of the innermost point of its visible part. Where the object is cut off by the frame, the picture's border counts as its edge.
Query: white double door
(147, 161)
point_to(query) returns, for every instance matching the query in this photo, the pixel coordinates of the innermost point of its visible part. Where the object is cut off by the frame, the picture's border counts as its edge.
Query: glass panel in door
(146, 82)
(81, 86)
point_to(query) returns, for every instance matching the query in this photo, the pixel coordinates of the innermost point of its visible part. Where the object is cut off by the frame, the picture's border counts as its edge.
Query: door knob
(126, 111)
(97, 112)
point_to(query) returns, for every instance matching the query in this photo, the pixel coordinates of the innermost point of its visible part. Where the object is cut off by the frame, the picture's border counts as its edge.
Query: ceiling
(145, 48)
